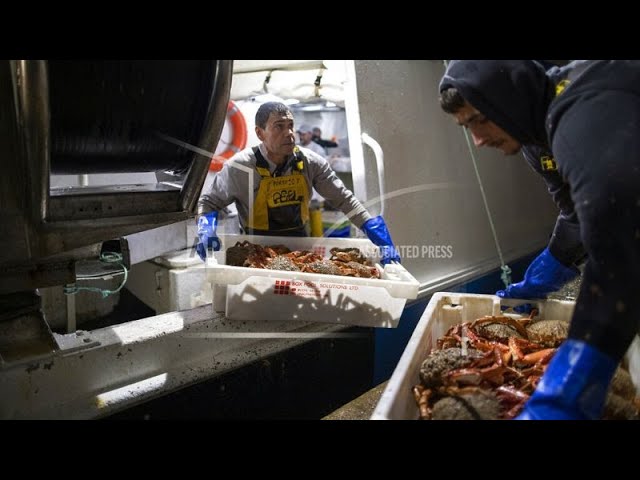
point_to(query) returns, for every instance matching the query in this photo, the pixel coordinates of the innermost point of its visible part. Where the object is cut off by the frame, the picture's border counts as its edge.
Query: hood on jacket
(513, 94)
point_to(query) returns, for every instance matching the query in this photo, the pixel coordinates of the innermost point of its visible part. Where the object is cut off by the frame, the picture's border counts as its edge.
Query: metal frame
(62, 224)
(98, 373)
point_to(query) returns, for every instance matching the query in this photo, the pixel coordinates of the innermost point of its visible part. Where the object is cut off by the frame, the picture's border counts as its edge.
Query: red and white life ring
(238, 137)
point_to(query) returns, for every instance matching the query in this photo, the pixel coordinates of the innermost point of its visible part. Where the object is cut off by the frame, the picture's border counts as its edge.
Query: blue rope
(105, 257)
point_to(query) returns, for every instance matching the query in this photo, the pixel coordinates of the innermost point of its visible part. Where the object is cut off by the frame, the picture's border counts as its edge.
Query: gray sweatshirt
(232, 184)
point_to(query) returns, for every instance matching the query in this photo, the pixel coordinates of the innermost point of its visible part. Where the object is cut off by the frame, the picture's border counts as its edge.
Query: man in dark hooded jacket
(557, 263)
(583, 121)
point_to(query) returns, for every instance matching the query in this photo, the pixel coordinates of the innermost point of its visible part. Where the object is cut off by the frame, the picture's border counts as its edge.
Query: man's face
(484, 132)
(305, 137)
(278, 135)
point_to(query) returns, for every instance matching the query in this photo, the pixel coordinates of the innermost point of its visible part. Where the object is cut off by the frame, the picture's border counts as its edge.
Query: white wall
(433, 194)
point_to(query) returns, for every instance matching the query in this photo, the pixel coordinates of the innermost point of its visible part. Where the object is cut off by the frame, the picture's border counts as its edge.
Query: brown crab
(469, 403)
(498, 328)
(550, 333)
(349, 255)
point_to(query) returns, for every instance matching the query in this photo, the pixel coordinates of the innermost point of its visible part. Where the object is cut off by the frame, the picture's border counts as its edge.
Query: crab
(468, 403)
(422, 395)
(489, 371)
(349, 255)
(550, 333)
(465, 333)
(343, 262)
(322, 266)
(525, 352)
(506, 361)
(355, 269)
(617, 407)
(498, 328)
(304, 256)
(441, 362)
(282, 262)
(456, 403)
(237, 255)
(512, 400)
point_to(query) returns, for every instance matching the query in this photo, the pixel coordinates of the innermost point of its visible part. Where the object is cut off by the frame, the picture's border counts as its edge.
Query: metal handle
(379, 154)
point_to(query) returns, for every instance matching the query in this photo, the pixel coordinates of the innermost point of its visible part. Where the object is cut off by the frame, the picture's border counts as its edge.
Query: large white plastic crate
(445, 310)
(244, 293)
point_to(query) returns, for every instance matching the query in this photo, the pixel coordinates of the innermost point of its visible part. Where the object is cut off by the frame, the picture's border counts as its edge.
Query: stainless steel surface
(432, 198)
(100, 203)
(217, 109)
(32, 102)
(252, 66)
(158, 241)
(71, 313)
(13, 203)
(24, 334)
(98, 373)
(25, 337)
(21, 276)
(379, 155)
(45, 230)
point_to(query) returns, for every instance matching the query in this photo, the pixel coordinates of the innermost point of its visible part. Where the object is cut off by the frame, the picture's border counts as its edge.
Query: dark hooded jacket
(513, 94)
(587, 115)
(494, 88)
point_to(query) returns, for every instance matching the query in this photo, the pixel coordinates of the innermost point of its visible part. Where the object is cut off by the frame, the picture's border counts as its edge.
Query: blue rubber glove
(207, 224)
(377, 231)
(574, 385)
(544, 275)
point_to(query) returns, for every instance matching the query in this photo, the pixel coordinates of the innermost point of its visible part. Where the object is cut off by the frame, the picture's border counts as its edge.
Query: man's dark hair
(451, 101)
(266, 109)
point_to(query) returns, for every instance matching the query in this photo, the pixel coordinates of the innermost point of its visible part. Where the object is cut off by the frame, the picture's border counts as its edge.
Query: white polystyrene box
(244, 293)
(443, 311)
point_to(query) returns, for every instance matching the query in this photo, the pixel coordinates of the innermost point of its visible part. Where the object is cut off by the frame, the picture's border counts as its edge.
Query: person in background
(304, 133)
(317, 137)
(283, 176)
(585, 116)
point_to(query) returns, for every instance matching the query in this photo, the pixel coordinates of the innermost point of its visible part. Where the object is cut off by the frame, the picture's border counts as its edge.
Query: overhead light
(266, 97)
(291, 101)
(316, 104)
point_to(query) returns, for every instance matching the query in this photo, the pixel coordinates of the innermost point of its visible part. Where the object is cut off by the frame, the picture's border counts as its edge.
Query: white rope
(505, 276)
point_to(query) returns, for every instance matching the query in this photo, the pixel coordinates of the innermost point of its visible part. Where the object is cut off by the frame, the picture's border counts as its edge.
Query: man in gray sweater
(271, 185)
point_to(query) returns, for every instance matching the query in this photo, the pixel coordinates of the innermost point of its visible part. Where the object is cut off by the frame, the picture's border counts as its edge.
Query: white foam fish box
(443, 311)
(244, 293)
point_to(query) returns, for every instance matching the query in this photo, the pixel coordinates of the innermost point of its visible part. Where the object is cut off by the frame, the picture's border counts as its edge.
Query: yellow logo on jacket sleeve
(548, 164)
(561, 86)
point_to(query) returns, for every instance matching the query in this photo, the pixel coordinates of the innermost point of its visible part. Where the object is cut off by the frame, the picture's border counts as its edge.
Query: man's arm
(565, 243)
(327, 184)
(218, 196)
(555, 266)
(221, 192)
(325, 143)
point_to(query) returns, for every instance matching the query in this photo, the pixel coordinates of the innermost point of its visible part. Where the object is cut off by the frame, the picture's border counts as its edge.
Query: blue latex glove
(544, 275)
(377, 231)
(574, 385)
(207, 224)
